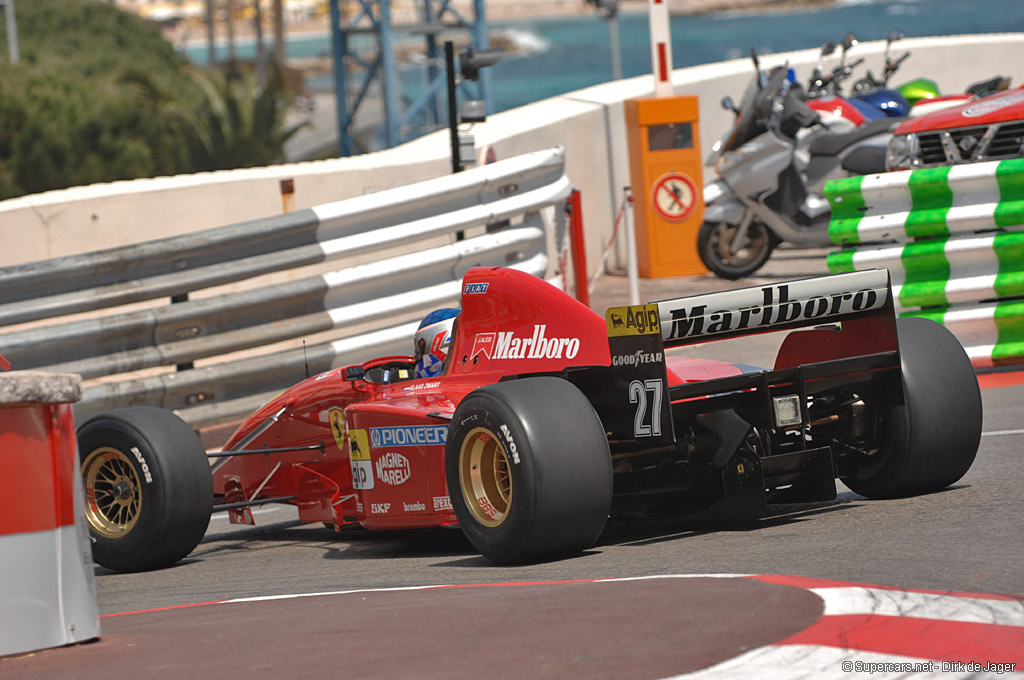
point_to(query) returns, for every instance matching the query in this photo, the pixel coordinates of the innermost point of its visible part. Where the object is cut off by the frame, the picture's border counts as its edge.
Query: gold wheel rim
(113, 492)
(486, 477)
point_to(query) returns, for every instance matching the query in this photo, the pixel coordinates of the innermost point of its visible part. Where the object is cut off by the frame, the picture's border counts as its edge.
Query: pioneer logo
(778, 306)
(537, 346)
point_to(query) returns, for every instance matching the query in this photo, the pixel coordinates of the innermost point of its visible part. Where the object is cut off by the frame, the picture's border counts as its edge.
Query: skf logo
(380, 508)
(634, 320)
(475, 288)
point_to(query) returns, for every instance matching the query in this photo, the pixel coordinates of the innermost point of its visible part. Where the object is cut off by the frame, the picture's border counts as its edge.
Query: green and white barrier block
(992, 334)
(931, 202)
(944, 271)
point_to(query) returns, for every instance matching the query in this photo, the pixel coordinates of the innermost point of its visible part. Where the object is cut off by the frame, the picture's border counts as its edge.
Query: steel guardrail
(509, 214)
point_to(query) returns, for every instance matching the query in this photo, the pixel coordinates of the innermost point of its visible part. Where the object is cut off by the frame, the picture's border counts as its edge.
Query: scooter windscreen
(758, 107)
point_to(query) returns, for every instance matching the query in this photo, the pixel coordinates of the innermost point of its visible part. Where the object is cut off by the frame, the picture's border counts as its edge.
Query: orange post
(666, 172)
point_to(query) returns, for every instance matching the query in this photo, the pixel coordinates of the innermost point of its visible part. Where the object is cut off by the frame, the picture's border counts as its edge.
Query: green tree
(99, 95)
(238, 122)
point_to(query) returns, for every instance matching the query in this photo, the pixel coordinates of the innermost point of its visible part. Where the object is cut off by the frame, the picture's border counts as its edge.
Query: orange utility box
(665, 169)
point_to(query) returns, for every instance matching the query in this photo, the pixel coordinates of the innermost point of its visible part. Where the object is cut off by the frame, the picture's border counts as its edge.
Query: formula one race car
(546, 418)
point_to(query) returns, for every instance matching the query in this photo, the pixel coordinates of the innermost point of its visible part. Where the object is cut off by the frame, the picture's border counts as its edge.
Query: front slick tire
(714, 246)
(528, 470)
(930, 442)
(148, 487)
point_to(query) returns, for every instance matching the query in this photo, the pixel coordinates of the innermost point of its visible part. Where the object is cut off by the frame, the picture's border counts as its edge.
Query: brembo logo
(776, 308)
(508, 346)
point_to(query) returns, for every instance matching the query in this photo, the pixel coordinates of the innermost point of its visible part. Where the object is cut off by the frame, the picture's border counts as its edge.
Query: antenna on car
(305, 359)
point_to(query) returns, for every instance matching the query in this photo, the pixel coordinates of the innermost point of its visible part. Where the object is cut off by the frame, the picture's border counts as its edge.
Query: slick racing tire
(931, 441)
(148, 488)
(529, 470)
(714, 246)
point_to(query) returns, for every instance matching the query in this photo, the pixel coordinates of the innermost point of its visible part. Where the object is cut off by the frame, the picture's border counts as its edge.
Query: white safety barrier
(400, 253)
(959, 256)
(47, 593)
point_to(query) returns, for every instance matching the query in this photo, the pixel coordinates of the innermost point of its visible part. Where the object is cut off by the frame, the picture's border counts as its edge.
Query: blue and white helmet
(432, 340)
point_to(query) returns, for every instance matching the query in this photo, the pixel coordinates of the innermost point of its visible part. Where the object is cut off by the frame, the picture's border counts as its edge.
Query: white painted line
(885, 602)
(1001, 433)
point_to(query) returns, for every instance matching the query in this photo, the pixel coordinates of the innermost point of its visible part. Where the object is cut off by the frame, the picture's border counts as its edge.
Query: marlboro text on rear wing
(776, 306)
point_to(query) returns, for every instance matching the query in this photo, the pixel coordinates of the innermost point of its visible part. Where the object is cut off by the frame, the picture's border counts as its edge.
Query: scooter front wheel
(719, 253)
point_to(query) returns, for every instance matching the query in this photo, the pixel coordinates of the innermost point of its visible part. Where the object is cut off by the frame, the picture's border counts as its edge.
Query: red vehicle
(986, 129)
(546, 418)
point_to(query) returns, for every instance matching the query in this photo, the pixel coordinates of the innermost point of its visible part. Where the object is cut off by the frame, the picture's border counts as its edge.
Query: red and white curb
(865, 631)
(881, 632)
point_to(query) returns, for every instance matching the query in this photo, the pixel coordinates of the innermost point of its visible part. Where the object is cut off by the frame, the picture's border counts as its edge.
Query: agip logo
(633, 320)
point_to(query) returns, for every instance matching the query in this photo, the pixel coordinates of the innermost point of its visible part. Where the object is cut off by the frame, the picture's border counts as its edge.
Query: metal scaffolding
(364, 40)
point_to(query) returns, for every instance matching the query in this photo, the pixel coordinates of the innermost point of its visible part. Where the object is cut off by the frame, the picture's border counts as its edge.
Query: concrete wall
(588, 123)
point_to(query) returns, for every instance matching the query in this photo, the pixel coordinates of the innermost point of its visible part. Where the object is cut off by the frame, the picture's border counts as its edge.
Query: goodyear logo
(408, 435)
(633, 320)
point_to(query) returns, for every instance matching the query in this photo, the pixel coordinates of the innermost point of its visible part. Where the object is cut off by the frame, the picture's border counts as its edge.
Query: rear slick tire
(529, 470)
(148, 488)
(932, 440)
(714, 248)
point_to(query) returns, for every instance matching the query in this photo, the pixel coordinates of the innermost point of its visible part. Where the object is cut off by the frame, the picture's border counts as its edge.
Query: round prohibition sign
(674, 196)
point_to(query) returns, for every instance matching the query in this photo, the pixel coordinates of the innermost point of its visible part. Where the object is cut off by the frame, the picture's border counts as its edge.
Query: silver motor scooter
(771, 176)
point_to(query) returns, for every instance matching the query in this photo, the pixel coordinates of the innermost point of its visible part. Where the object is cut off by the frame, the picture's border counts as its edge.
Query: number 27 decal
(638, 392)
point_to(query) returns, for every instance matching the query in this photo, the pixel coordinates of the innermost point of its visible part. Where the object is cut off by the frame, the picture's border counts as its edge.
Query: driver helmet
(433, 337)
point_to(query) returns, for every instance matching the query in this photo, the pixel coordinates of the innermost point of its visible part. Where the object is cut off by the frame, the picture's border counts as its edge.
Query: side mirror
(849, 40)
(828, 48)
(894, 35)
(729, 104)
(353, 373)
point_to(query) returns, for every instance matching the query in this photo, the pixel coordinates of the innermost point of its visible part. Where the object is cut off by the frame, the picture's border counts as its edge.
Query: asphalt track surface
(919, 587)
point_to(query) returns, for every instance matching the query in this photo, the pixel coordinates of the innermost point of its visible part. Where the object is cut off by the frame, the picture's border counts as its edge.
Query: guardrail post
(579, 252)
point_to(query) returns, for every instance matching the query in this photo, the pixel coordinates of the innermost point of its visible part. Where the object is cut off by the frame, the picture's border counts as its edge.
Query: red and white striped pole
(661, 47)
(47, 593)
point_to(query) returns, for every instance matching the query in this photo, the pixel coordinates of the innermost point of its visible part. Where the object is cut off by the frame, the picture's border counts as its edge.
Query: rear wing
(853, 340)
(776, 306)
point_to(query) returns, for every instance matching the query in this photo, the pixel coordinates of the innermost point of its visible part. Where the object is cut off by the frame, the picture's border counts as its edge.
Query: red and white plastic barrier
(47, 592)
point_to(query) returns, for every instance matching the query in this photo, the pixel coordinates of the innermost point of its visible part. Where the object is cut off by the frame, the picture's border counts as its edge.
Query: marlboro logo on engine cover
(508, 345)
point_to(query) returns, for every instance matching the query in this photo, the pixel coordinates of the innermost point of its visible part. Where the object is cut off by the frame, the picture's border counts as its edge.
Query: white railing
(388, 258)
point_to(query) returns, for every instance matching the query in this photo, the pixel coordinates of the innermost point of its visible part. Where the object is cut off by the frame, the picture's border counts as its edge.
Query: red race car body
(547, 418)
(376, 438)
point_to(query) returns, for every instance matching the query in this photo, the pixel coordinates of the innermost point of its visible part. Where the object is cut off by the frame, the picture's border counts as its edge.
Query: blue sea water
(564, 54)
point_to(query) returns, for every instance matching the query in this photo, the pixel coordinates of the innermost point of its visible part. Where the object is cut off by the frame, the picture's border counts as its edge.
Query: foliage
(99, 95)
(238, 123)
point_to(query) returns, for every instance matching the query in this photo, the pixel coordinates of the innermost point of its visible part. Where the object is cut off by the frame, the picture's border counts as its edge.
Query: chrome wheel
(486, 477)
(113, 492)
(753, 247)
(722, 255)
